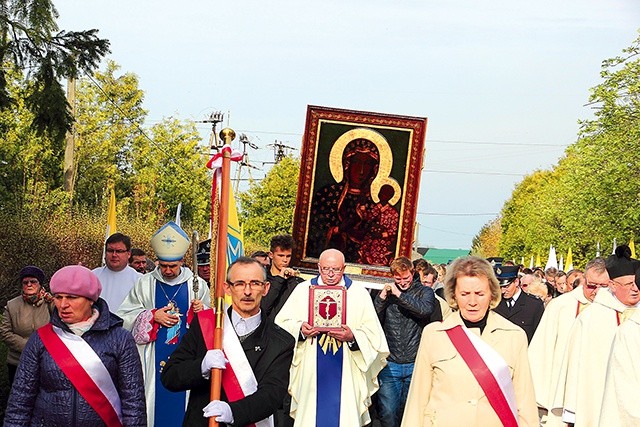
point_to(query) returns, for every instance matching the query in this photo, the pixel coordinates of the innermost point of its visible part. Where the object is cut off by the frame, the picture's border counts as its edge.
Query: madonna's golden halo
(384, 169)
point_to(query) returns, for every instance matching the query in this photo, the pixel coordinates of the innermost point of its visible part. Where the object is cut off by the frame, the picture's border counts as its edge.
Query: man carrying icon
(404, 308)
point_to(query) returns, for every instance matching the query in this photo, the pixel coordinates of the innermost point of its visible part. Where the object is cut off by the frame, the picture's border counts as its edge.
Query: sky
(503, 83)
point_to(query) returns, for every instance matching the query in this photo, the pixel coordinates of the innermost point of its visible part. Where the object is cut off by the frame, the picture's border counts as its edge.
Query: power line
(439, 141)
(456, 214)
(473, 173)
(520, 144)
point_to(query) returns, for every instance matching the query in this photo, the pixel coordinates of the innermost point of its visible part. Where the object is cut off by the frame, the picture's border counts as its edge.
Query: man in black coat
(517, 306)
(268, 350)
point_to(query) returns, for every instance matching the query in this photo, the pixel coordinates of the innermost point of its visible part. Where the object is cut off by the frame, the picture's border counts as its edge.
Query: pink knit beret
(76, 280)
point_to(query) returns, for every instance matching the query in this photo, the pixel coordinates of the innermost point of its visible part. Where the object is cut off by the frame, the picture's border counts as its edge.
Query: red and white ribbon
(215, 164)
(490, 370)
(85, 370)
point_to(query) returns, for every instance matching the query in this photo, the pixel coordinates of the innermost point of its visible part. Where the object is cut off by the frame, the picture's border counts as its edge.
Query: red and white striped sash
(84, 369)
(238, 380)
(490, 370)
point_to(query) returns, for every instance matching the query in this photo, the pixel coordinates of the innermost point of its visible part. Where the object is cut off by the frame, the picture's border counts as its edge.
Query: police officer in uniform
(517, 306)
(204, 256)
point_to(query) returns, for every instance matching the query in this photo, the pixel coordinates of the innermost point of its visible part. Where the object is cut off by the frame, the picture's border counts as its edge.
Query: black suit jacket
(526, 312)
(269, 350)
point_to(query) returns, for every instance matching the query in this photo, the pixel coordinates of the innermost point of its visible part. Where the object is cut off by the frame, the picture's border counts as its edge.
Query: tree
(591, 196)
(109, 119)
(31, 41)
(168, 169)
(487, 242)
(267, 207)
(27, 165)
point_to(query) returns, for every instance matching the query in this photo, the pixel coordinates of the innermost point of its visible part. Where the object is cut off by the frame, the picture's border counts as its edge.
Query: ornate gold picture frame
(358, 186)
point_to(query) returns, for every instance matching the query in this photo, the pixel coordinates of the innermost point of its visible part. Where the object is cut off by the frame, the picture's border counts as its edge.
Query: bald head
(331, 266)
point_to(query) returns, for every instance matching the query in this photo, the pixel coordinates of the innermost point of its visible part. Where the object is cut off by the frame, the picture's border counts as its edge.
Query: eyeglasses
(331, 269)
(30, 282)
(596, 285)
(116, 251)
(624, 285)
(254, 285)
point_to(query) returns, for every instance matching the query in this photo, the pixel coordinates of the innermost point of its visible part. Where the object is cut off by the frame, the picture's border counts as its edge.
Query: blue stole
(329, 352)
(169, 405)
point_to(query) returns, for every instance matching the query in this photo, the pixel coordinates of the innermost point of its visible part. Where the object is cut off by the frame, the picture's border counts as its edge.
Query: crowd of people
(478, 342)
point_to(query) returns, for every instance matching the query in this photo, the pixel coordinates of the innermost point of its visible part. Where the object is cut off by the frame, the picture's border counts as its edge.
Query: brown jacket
(19, 321)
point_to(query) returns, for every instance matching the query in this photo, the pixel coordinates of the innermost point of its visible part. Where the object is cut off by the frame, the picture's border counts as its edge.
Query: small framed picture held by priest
(327, 307)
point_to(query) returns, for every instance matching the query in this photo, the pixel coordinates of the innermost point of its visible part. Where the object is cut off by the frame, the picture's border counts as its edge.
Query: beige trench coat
(443, 390)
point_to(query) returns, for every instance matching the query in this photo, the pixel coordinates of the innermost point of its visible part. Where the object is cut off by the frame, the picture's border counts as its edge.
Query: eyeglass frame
(595, 285)
(625, 285)
(331, 269)
(254, 285)
(116, 251)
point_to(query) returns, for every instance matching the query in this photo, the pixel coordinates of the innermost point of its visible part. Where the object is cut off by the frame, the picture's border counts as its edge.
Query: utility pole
(280, 151)
(70, 139)
(245, 161)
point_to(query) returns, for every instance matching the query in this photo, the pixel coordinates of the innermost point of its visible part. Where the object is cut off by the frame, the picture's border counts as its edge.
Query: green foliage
(31, 41)
(592, 195)
(267, 207)
(52, 239)
(29, 166)
(109, 116)
(487, 242)
(169, 170)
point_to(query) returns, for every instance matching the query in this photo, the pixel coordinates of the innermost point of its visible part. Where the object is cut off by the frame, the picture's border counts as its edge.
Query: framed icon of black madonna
(358, 186)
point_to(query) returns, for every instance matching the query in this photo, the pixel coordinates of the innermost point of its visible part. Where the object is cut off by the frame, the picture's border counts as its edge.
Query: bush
(53, 241)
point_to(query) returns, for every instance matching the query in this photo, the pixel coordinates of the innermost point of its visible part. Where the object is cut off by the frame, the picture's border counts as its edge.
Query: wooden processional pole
(221, 258)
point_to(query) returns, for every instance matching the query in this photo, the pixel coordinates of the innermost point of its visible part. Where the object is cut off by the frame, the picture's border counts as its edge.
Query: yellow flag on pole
(111, 222)
(235, 244)
(569, 260)
(632, 247)
(538, 263)
(111, 215)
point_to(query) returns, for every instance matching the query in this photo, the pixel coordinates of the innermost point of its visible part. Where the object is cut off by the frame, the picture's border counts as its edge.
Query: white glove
(219, 409)
(213, 359)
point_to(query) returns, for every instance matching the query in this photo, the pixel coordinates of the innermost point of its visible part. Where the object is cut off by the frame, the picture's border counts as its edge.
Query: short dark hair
(420, 264)
(244, 260)
(259, 253)
(136, 252)
(119, 237)
(282, 241)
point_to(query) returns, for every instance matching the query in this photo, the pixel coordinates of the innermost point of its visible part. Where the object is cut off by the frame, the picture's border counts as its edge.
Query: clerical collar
(245, 325)
(479, 324)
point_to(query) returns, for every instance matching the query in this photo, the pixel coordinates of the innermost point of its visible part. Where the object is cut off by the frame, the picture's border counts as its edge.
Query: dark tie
(509, 302)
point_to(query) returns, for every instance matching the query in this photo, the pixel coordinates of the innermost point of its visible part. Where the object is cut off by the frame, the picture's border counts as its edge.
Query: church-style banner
(358, 187)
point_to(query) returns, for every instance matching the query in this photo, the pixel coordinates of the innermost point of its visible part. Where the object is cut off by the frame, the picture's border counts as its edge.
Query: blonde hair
(470, 267)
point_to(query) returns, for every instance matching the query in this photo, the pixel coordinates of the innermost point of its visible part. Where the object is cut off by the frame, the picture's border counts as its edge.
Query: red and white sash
(238, 380)
(84, 369)
(490, 370)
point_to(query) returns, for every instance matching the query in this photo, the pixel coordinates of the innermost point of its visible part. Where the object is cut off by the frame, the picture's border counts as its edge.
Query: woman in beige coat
(444, 391)
(24, 314)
